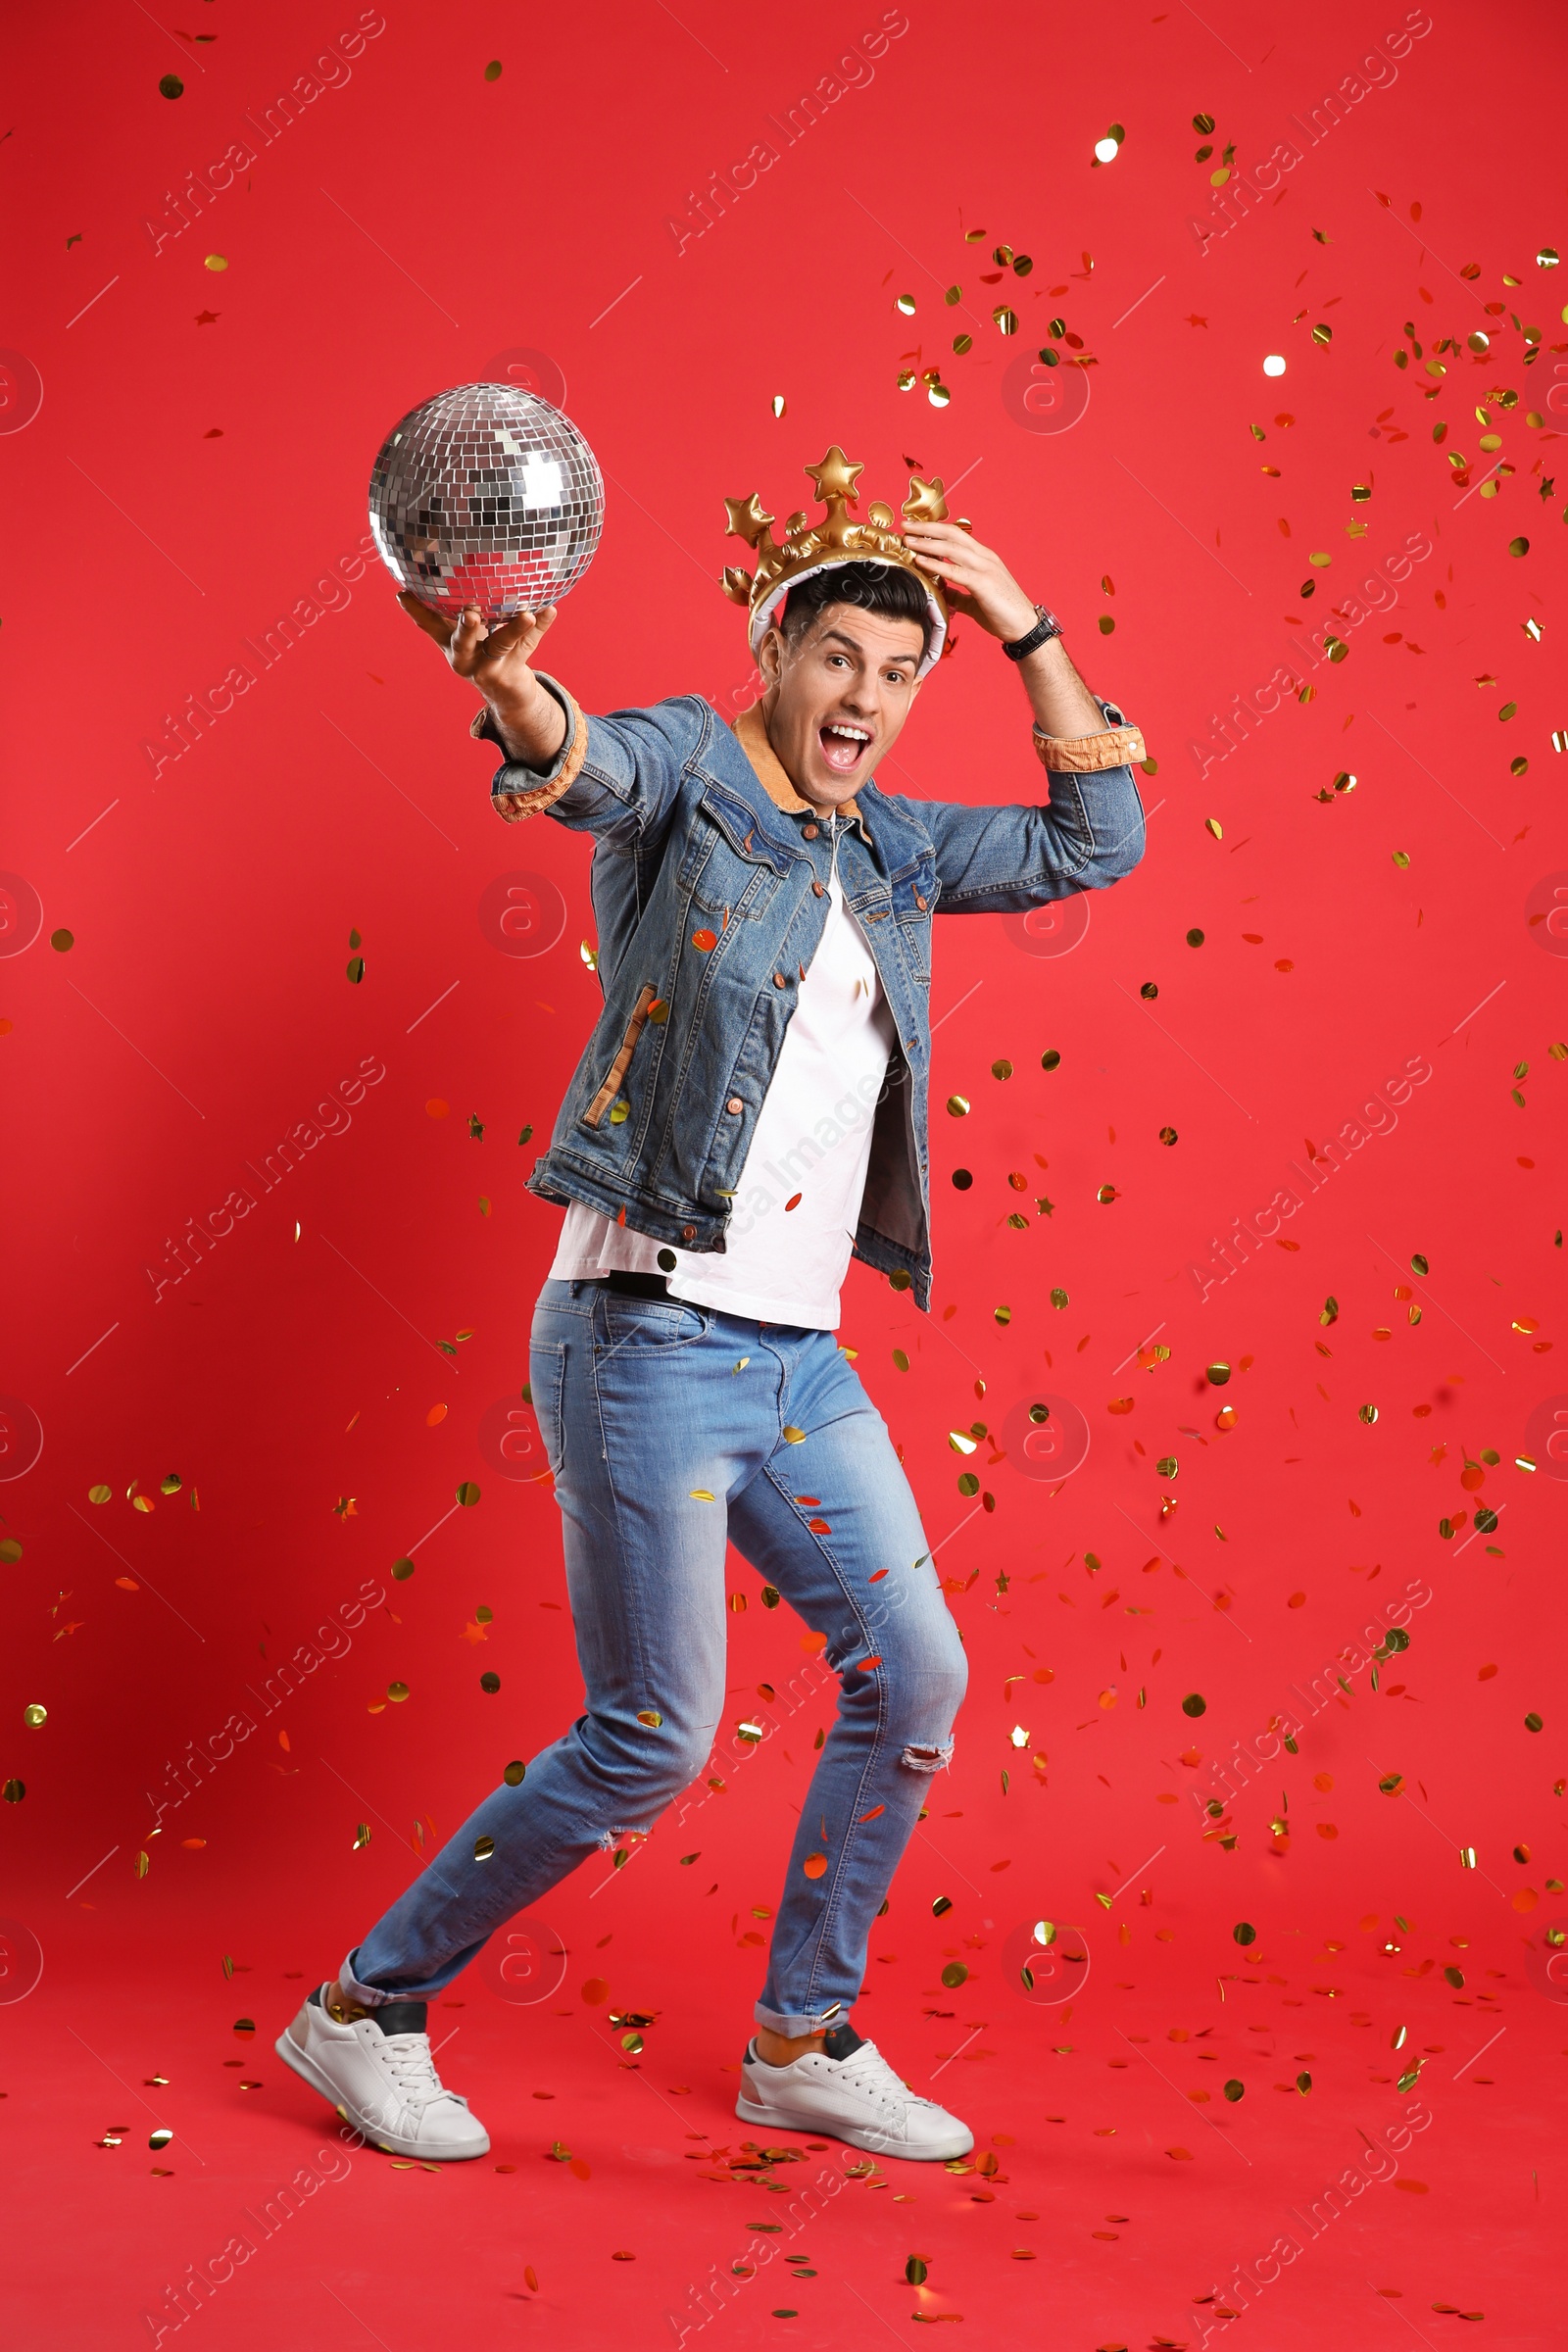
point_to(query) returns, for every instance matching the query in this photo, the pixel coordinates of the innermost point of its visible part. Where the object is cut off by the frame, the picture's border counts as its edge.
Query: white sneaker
(849, 2091)
(378, 2073)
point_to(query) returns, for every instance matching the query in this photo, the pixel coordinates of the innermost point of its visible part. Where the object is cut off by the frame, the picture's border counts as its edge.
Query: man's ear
(771, 655)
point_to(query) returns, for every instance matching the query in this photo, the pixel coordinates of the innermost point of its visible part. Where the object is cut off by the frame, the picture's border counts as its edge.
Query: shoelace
(412, 2068)
(867, 2070)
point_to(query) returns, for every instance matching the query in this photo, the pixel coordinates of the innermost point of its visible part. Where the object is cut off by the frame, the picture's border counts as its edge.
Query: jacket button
(778, 979)
(735, 1105)
(808, 832)
(688, 1233)
(816, 890)
(919, 901)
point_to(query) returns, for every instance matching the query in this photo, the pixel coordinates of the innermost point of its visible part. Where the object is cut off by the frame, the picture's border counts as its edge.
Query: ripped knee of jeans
(621, 1841)
(927, 1759)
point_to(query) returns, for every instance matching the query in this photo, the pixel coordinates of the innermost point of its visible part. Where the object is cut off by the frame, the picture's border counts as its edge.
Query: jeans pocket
(547, 1384)
(652, 1326)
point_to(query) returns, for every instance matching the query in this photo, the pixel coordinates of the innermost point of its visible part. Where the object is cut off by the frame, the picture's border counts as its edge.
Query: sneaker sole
(875, 2143)
(391, 2143)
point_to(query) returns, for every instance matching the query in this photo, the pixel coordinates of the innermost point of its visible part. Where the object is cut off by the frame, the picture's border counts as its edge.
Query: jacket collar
(750, 733)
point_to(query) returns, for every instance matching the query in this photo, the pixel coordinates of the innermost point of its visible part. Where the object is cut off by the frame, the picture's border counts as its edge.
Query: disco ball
(486, 496)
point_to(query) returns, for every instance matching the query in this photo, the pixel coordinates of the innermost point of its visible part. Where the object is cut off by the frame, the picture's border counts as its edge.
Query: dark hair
(885, 588)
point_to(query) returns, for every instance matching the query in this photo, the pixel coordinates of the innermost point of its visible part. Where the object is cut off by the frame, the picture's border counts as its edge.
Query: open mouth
(843, 746)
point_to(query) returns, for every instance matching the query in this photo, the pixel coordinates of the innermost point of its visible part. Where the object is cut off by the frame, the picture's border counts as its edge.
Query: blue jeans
(646, 1407)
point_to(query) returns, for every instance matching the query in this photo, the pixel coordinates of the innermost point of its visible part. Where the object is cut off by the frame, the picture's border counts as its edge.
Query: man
(750, 1107)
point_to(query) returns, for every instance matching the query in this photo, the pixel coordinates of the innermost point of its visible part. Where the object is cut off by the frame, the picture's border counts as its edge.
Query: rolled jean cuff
(369, 1996)
(783, 2021)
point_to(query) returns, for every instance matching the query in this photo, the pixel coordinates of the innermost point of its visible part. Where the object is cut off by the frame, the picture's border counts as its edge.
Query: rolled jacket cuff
(1085, 754)
(513, 800)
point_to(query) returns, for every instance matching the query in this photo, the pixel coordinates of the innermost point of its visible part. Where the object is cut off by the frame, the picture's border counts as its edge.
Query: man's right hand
(533, 723)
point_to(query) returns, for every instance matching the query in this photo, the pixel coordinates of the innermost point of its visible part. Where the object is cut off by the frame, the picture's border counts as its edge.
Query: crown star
(835, 477)
(925, 502)
(748, 519)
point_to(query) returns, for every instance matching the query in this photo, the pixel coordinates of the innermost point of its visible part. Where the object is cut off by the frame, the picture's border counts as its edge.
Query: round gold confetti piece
(403, 1570)
(490, 1684)
(215, 261)
(483, 1849)
(161, 2137)
(492, 72)
(170, 86)
(794, 1437)
(34, 1717)
(1217, 1375)
(514, 1773)
(651, 1717)
(396, 1691)
(100, 1493)
(14, 1791)
(62, 941)
(467, 1494)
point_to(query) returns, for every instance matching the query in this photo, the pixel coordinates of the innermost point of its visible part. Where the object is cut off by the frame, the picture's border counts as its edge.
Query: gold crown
(807, 547)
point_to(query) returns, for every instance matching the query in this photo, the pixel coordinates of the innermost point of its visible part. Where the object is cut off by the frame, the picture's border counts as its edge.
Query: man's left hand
(974, 578)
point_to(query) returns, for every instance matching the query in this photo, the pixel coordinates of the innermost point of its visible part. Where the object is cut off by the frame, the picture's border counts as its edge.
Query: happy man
(764, 915)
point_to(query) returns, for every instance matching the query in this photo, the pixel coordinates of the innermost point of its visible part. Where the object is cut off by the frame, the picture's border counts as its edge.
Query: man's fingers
(508, 633)
(435, 624)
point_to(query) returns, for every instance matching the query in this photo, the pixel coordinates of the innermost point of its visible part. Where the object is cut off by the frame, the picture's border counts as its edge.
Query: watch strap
(1044, 628)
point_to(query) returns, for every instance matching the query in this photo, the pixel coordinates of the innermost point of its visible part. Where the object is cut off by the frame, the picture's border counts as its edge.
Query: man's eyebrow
(854, 642)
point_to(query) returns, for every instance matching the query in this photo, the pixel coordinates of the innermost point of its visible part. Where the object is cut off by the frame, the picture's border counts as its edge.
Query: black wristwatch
(1044, 628)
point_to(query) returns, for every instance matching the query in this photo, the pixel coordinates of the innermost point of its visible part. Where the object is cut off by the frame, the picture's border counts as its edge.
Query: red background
(185, 481)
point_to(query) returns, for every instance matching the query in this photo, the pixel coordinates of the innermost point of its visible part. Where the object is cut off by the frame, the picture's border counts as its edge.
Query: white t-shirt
(798, 1201)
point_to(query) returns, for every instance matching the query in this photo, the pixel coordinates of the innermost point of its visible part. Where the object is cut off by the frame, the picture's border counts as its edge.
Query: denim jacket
(709, 892)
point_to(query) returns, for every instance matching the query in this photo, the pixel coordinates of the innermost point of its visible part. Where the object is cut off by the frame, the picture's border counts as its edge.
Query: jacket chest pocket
(914, 892)
(725, 871)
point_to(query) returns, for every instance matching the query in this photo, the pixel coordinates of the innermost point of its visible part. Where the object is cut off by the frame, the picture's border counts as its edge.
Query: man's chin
(829, 788)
